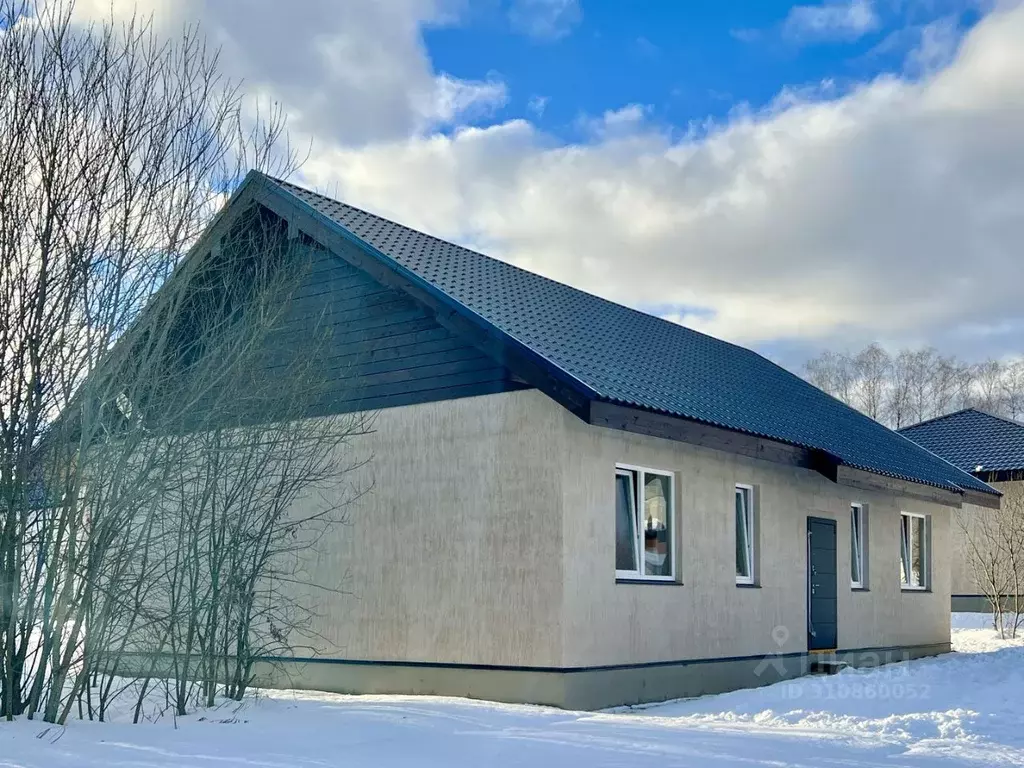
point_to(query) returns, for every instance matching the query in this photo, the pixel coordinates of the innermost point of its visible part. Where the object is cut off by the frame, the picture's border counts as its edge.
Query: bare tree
(873, 367)
(834, 373)
(902, 398)
(989, 385)
(917, 384)
(994, 542)
(1013, 390)
(951, 386)
(122, 367)
(244, 450)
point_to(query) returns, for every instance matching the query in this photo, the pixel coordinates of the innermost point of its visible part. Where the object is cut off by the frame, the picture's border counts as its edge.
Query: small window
(644, 528)
(913, 551)
(857, 546)
(744, 534)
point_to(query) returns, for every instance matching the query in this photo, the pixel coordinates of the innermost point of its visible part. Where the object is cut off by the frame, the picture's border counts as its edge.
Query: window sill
(859, 588)
(656, 582)
(747, 585)
(926, 590)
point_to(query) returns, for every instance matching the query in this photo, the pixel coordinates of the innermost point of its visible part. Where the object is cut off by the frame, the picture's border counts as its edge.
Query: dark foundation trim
(578, 688)
(597, 668)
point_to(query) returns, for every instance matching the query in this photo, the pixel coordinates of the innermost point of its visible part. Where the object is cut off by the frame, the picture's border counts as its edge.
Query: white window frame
(906, 553)
(673, 518)
(857, 513)
(751, 521)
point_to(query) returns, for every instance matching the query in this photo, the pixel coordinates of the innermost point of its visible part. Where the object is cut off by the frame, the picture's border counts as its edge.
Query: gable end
(379, 348)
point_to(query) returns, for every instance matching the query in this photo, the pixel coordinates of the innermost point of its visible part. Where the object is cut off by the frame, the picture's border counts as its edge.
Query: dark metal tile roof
(972, 438)
(632, 358)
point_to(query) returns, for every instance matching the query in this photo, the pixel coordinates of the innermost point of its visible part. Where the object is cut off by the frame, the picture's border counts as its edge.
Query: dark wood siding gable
(378, 347)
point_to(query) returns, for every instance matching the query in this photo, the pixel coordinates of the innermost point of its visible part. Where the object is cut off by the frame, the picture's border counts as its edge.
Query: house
(991, 448)
(578, 504)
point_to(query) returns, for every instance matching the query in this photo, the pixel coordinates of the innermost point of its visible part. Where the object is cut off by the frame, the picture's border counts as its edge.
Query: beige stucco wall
(708, 616)
(966, 520)
(488, 538)
(453, 554)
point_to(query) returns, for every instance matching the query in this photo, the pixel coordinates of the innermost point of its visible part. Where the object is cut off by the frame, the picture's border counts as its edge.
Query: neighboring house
(579, 504)
(991, 448)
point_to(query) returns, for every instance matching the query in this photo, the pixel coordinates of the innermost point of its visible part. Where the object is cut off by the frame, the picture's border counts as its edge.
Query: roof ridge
(960, 412)
(933, 419)
(991, 415)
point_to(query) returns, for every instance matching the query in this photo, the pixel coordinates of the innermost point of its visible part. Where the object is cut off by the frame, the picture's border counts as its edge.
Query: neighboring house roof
(611, 353)
(971, 439)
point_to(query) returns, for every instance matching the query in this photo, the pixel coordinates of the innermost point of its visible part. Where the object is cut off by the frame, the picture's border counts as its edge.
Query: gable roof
(971, 438)
(609, 353)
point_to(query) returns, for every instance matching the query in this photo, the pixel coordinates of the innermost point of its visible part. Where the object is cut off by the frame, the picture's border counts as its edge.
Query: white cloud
(545, 19)
(536, 105)
(892, 210)
(352, 71)
(936, 46)
(625, 121)
(833, 20)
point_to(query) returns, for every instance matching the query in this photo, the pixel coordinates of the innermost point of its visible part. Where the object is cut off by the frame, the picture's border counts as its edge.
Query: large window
(913, 551)
(745, 534)
(857, 547)
(644, 524)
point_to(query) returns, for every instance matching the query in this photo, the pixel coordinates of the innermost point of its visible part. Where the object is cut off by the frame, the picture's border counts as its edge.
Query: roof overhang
(669, 427)
(979, 499)
(541, 373)
(643, 422)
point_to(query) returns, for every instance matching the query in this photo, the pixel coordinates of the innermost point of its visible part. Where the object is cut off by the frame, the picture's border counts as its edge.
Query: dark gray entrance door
(822, 623)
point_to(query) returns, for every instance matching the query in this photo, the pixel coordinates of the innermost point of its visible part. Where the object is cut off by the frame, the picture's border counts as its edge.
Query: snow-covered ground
(965, 708)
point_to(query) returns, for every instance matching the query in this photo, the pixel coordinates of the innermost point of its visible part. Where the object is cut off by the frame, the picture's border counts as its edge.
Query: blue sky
(686, 62)
(789, 176)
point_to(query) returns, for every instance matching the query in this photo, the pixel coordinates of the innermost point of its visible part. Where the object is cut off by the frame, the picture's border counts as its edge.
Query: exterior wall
(454, 552)
(708, 616)
(966, 594)
(481, 563)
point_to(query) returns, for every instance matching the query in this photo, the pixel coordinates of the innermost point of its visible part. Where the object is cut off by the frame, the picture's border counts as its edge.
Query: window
(744, 534)
(857, 580)
(913, 551)
(644, 530)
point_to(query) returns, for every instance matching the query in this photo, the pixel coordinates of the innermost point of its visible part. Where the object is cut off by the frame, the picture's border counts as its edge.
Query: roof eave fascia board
(316, 225)
(695, 432)
(644, 421)
(979, 499)
(872, 481)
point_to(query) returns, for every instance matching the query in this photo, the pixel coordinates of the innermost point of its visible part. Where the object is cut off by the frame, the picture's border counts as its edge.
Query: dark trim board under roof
(613, 366)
